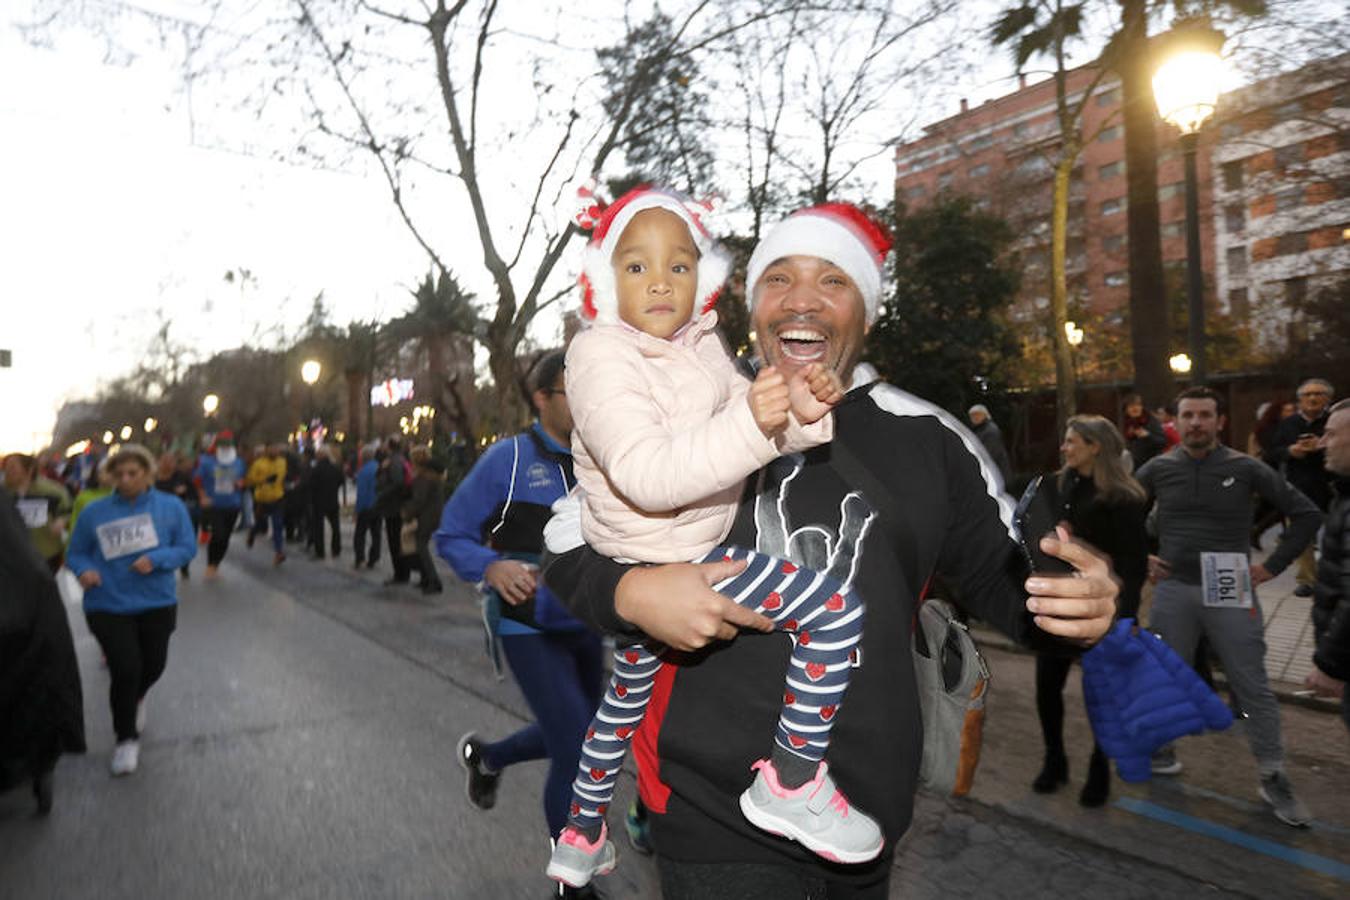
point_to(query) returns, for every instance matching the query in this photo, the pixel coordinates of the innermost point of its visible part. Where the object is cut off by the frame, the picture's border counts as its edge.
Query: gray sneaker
(575, 860)
(1279, 793)
(1165, 762)
(815, 815)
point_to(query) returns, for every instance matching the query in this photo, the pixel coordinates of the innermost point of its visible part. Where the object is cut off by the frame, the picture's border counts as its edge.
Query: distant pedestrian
(124, 551)
(1331, 602)
(171, 478)
(99, 486)
(325, 486)
(1103, 506)
(982, 424)
(1144, 435)
(423, 512)
(43, 504)
(393, 485)
(220, 487)
(41, 701)
(368, 522)
(1296, 450)
(267, 480)
(1261, 442)
(1168, 418)
(1206, 582)
(296, 502)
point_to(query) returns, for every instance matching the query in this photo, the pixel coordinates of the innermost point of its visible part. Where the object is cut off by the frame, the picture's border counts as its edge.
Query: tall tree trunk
(1149, 326)
(1066, 382)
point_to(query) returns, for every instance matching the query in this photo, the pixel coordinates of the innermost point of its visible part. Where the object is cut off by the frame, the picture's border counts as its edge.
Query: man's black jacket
(1331, 598)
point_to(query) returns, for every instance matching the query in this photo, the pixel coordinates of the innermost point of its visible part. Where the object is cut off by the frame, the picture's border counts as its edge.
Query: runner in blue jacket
(492, 534)
(220, 484)
(125, 550)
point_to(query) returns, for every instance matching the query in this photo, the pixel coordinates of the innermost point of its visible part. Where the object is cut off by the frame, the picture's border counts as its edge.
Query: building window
(1113, 243)
(1291, 110)
(1286, 244)
(1019, 129)
(980, 143)
(1238, 302)
(1235, 218)
(1115, 279)
(1289, 198)
(1237, 262)
(1296, 291)
(980, 171)
(945, 180)
(1168, 191)
(1173, 229)
(1113, 206)
(1109, 134)
(1034, 165)
(1111, 170)
(1288, 156)
(1109, 98)
(1232, 176)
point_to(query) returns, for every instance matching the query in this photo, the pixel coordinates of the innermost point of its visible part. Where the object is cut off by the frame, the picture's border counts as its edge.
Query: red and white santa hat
(838, 232)
(599, 299)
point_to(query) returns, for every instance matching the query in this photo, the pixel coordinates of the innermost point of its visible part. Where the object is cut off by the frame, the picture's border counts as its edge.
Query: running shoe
(1165, 762)
(1279, 793)
(126, 756)
(576, 861)
(638, 828)
(816, 815)
(480, 785)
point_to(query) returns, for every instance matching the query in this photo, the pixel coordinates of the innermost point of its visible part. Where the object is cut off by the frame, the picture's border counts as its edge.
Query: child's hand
(814, 391)
(769, 401)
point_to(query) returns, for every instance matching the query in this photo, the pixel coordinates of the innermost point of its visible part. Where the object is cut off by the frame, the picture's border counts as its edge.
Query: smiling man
(902, 493)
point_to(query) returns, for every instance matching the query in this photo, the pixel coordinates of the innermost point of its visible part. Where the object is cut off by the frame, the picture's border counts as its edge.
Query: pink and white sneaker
(576, 861)
(816, 815)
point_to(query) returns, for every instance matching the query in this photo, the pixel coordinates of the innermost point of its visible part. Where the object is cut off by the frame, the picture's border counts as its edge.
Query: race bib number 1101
(1227, 580)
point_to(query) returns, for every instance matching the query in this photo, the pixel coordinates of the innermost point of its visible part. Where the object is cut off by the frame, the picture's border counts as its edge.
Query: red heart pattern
(631, 656)
(773, 601)
(789, 698)
(621, 690)
(598, 774)
(835, 603)
(788, 568)
(790, 625)
(590, 734)
(623, 733)
(815, 671)
(576, 809)
(804, 638)
(796, 741)
(827, 712)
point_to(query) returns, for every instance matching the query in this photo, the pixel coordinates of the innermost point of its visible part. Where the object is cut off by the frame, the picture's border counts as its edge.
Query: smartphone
(1035, 518)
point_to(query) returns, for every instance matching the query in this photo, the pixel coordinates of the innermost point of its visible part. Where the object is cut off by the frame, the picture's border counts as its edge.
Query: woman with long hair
(1103, 506)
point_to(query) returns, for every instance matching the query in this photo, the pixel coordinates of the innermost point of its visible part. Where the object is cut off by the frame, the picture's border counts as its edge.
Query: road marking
(1190, 790)
(1279, 851)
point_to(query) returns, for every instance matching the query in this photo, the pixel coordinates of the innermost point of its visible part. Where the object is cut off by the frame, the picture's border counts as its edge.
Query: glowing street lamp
(210, 403)
(107, 437)
(151, 423)
(1073, 333)
(1186, 89)
(125, 432)
(1180, 363)
(310, 371)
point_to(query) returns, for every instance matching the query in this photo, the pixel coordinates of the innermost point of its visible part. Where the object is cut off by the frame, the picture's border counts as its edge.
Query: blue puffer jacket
(114, 532)
(1140, 695)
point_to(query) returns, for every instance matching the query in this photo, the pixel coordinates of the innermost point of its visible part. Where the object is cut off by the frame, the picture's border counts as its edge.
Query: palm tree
(442, 311)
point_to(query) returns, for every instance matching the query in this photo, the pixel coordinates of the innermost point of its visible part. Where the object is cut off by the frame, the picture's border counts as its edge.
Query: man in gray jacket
(1206, 585)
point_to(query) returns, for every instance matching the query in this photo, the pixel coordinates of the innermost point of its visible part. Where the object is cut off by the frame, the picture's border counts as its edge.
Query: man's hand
(514, 580)
(1079, 607)
(1158, 569)
(1323, 685)
(675, 604)
(814, 391)
(90, 579)
(769, 401)
(143, 565)
(1260, 574)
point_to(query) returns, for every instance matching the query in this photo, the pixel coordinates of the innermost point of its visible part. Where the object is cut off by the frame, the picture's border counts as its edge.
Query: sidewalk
(1289, 635)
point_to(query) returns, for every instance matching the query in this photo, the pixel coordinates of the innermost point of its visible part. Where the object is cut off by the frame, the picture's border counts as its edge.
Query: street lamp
(1186, 89)
(126, 432)
(151, 423)
(310, 370)
(107, 437)
(210, 403)
(1180, 363)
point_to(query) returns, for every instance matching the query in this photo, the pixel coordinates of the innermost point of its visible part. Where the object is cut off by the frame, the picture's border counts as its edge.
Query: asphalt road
(301, 745)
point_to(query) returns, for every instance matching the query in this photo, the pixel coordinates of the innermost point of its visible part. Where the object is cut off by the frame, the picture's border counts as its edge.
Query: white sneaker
(816, 815)
(125, 757)
(140, 716)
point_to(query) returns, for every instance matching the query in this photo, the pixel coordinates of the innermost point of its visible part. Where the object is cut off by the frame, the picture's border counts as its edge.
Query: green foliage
(941, 335)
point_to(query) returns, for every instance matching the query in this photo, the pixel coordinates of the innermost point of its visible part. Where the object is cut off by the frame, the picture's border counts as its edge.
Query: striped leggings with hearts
(825, 623)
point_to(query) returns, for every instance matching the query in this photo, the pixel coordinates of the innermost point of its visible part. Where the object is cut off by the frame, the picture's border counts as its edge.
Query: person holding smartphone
(1298, 453)
(1100, 504)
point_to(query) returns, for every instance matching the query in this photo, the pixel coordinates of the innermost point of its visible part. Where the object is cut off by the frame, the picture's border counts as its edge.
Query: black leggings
(1052, 672)
(317, 518)
(221, 521)
(137, 647)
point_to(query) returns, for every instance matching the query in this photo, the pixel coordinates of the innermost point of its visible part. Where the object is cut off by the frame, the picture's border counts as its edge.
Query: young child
(666, 432)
